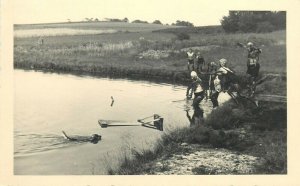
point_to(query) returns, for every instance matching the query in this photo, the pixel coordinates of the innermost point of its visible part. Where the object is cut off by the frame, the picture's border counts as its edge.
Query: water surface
(47, 103)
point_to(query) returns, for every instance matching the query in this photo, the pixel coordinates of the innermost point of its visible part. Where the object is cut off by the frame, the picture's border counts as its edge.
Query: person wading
(197, 88)
(253, 64)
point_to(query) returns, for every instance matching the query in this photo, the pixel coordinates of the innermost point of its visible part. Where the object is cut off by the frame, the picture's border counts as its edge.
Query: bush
(226, 117)
(157, 22)
(182, 36)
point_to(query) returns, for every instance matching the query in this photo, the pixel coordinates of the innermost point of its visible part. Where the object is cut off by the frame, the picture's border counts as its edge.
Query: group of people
(219, 75)
(196, 61)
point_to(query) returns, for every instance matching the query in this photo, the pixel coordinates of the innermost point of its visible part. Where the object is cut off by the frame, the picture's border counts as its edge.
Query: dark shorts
(253, 70)
(190, 61)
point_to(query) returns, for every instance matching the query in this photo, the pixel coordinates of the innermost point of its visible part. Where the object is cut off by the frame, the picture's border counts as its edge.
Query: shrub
(226, 117)
(182, 36)
(157, 22)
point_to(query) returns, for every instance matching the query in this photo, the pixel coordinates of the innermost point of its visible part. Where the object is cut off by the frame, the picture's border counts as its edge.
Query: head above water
(95, 138)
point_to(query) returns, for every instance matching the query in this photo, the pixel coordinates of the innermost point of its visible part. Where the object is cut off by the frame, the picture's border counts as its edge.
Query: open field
(120, 26)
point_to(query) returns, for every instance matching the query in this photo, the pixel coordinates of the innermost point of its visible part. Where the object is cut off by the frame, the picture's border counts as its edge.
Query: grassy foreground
(138, 52)
(259, 132)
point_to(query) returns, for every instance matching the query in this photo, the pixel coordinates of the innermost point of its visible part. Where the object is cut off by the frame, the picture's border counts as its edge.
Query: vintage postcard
(102, 92)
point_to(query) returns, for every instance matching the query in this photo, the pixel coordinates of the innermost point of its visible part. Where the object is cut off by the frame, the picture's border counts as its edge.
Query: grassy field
(121, 26)
(153, 51)
(139, 50)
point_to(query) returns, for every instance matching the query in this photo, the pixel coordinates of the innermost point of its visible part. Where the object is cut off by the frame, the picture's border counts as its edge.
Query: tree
(183, 23)
(182, 36)
(253, 21)
(230, 23)
(139, 21)
(157, 22)
(125, 20)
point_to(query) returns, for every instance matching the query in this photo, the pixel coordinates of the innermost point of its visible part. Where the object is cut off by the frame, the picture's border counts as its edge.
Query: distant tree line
(117, 20)
(139, 21)
(254, 21)
(178, 22)
(183, 23)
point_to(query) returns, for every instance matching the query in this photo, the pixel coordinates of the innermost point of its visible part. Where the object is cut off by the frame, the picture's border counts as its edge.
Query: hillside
(120, 26)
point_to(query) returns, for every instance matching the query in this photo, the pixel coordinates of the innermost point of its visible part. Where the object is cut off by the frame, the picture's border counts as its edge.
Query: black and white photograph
(154, 88)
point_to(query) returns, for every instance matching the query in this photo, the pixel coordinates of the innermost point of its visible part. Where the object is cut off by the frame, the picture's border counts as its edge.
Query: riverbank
(232, 140)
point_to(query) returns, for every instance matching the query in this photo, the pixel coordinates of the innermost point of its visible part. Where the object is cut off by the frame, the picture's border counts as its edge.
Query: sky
(167, 11)
(198, 12)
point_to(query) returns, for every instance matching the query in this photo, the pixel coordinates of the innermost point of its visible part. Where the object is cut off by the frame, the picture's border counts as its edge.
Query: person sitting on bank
(199, 62)
(190, 58)
(196, 87)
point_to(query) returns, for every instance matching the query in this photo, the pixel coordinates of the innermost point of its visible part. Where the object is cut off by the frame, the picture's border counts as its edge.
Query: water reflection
(197, 118)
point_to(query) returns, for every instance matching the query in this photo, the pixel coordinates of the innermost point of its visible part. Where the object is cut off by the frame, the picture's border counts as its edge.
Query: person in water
(195, 87)
(93, 138)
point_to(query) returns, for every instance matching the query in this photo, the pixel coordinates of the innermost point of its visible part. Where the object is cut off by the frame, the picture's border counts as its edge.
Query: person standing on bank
(197, 88)
(199, 62)
(253, 64)
(190, 58)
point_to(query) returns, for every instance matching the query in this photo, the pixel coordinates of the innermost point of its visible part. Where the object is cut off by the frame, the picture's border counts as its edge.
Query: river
(47, 103)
